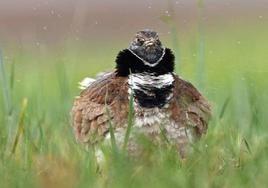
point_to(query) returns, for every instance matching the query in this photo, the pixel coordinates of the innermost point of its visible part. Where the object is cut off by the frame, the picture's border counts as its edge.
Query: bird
(162, 101)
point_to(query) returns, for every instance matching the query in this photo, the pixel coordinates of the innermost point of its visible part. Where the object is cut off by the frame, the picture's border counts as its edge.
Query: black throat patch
(152, 86)
(126, 62)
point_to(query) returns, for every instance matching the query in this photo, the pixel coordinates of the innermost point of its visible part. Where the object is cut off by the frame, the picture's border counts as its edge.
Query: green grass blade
(247, 145)
(201, 46)
(21, 125)
(12, 75)
(130, 121)
(225, 104)
(111, 129)
(170, 20)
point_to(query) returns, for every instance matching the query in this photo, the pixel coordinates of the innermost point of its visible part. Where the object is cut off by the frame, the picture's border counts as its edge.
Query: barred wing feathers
(191, 109)
(89, 113)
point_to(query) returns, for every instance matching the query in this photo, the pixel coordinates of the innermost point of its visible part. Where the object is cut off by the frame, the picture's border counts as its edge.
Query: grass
(38, 149)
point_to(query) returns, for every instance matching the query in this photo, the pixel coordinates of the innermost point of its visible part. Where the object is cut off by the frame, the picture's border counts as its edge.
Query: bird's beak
(150, 42)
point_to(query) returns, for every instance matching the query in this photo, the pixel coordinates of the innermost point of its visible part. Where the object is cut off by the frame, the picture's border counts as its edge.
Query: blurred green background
(47, 47)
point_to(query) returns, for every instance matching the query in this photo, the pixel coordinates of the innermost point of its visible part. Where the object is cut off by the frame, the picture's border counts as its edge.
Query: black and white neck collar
(128, 62)
(146, 62)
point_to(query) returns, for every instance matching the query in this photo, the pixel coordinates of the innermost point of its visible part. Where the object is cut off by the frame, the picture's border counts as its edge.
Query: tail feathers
(102, 74)
(85, 83)
(88, 81)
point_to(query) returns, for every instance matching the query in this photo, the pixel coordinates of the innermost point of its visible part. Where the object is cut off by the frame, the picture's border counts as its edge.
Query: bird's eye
(141, 41)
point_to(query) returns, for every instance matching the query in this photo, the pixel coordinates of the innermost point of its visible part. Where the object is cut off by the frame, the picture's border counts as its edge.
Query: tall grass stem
(21, 125)
(5, 87)
(130, 121)
(201, 45)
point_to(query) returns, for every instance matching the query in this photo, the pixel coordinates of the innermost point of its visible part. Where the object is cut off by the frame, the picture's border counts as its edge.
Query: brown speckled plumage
(162, 101)
(188, 108)
(89, 113)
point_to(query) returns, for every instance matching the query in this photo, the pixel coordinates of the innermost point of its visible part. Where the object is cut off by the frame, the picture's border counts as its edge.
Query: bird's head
(146, 45)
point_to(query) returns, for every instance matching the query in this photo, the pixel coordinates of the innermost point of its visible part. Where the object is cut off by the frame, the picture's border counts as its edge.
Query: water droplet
(96, 22)
(167, 13)
(34, 8)
(260, 16)
(149, 7)
(52, 12)
(37, 43)
(238, 42)
(45, 27)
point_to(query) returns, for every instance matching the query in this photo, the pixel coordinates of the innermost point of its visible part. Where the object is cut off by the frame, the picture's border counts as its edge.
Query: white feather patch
(85, 83)
(146, 79)
(151, 116)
